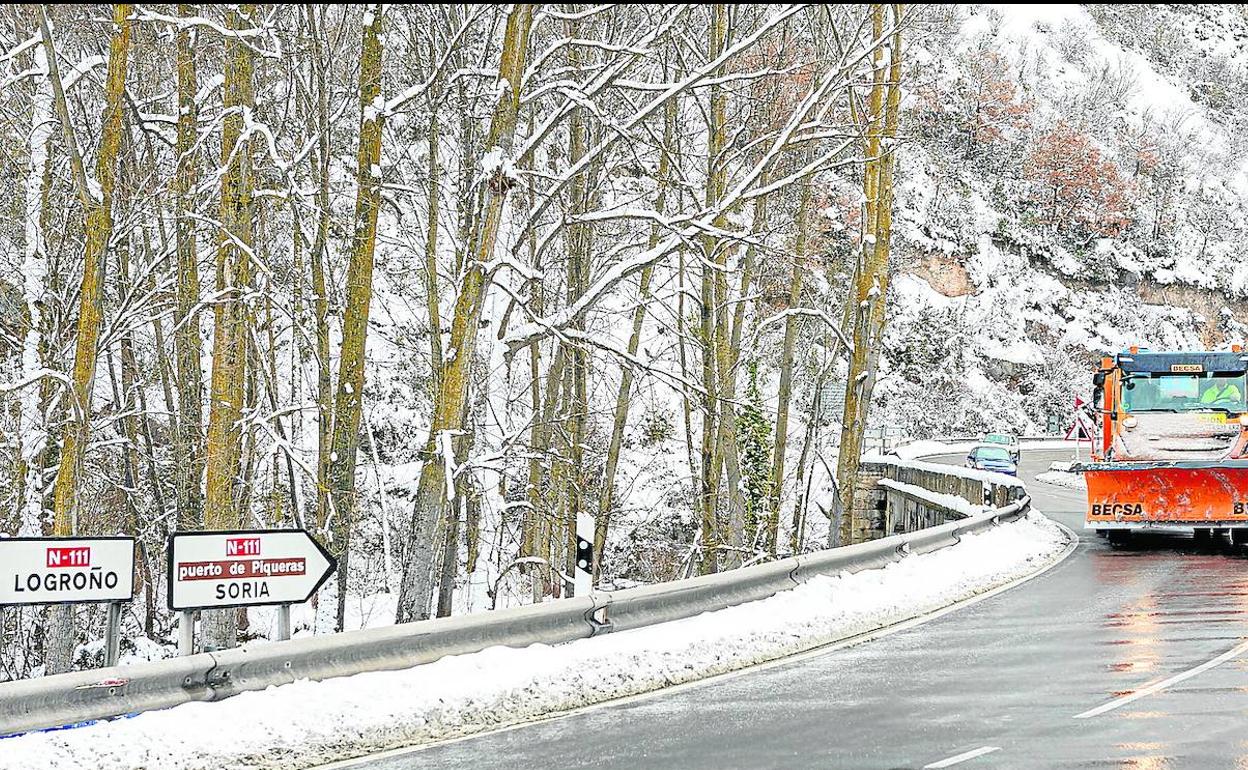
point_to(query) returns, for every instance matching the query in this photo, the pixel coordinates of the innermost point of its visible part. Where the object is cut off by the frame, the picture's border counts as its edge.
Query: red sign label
(242, 569)
(68, 557)
(242, 546)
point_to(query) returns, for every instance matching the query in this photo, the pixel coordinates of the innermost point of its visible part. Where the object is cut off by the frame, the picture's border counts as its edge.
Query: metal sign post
(112, 635)
(186, 633)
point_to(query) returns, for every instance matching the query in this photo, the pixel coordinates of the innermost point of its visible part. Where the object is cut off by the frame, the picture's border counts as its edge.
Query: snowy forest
(429, 281)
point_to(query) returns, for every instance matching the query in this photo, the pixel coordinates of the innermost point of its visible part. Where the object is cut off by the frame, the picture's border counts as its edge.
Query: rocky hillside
(1075, 183)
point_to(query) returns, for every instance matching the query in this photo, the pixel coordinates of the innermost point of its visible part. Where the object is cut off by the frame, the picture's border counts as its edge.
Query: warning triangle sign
(1079, 431)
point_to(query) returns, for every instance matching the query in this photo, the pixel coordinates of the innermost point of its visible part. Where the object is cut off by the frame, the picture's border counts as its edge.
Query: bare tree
(347, 404)
(866, 308)
(225, 489)
(96, 197)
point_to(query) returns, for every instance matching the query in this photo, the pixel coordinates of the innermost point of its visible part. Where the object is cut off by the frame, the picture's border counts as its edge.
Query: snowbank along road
(1122, 658)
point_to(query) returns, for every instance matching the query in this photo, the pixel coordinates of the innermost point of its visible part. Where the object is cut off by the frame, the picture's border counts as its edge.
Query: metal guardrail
(78, 697)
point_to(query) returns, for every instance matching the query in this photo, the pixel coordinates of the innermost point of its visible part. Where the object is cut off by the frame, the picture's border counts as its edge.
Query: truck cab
(1172, 443)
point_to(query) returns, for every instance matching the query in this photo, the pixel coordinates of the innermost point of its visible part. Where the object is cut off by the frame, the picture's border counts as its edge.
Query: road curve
(1116, 658)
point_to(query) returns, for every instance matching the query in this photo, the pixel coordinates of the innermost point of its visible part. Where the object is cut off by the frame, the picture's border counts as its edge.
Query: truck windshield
(1155, 392)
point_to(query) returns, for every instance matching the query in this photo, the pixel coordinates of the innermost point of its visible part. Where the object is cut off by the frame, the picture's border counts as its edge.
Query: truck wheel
(1239, 536)
(1119, 536)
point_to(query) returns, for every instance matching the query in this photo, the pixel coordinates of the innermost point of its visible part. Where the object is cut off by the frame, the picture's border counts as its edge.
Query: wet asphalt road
(1006, 677)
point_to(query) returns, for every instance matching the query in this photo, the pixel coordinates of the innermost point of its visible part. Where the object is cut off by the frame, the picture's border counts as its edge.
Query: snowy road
(1126, 658)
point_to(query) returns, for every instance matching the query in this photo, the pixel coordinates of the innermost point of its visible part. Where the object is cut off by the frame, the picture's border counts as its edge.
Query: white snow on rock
(307, 723)
(1059, 475)
(1063, 479)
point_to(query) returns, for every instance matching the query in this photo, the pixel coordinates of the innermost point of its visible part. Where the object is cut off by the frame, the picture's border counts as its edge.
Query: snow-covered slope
(1006, 295)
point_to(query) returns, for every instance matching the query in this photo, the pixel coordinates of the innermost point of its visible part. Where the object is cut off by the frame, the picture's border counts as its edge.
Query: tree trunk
(579, 237)
(189, 439)
(432, 494)
(728, 344)
(791, 324)
(34, 428)
(98, 227)
(871, 276)
(126, 399)
(223, 500)
(320, 290)
(532, 537)
(713, 254)
(623, 396)
(432, 292)
(347, 404)
(686, 403)
(797, 534)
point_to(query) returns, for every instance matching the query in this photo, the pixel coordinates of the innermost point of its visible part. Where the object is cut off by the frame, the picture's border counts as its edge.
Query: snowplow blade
(1139, 494)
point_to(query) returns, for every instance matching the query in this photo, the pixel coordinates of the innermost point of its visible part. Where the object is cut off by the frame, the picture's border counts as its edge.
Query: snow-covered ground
(308, 723)
(1059, 475)
(1063, 479)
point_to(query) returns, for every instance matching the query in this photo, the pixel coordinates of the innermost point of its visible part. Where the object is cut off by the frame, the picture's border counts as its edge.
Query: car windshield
(1155, 392)
(992, 453)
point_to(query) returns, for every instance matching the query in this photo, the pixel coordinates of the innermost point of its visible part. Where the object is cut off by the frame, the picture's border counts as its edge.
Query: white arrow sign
(62, 570)
(245, 567)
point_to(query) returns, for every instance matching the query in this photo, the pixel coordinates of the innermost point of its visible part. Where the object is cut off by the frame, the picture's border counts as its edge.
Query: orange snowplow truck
(1171, 448)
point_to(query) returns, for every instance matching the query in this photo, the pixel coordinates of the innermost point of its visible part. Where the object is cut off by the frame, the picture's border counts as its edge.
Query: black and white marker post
(583, 572)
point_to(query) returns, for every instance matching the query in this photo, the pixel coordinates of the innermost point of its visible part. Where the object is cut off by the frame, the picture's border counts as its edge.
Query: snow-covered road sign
(63, 570)
(244, 568)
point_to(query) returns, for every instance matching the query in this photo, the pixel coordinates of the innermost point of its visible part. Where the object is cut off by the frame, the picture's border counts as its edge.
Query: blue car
(992, 457)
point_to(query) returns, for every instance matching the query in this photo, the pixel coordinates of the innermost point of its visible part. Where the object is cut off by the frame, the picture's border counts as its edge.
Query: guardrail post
(112, 635)
(186, 633)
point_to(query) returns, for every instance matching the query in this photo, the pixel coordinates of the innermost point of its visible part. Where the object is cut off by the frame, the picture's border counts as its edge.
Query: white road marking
(963, 757)
(1163, 684)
